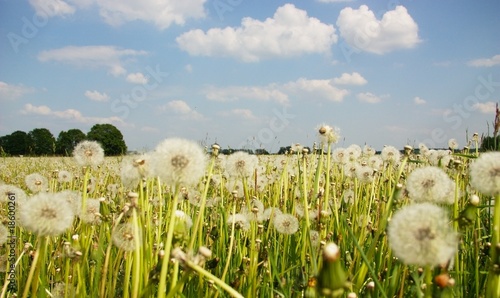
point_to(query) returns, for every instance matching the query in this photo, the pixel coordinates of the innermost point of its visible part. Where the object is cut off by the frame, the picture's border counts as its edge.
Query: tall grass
(253, 262)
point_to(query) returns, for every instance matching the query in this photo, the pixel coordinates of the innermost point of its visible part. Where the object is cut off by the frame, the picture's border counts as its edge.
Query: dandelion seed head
(178, 161)
(4, 234)
(430, 184)
(240, 221)
(92, 213)
(390, 154)
(88, 153)
(7, 189)
(421, 234)
(286, 224)
(64, 176)
(124, 236)
(485, 173)
(328, 134)
(46, 215)
(241, 164)
(36, 182)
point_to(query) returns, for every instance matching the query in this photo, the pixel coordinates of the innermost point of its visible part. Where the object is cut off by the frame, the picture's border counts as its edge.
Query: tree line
(41, 142)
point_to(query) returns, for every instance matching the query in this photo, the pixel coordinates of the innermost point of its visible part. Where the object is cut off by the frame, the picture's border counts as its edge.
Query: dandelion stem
(493, 286)
(168, 246)
(216, 280)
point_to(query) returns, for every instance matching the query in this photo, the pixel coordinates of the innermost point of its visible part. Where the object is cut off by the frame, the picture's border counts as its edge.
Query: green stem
(168, 246)
(215, 279)
(493, 285)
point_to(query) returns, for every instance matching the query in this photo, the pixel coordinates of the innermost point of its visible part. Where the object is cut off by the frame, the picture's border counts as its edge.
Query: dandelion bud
(408, 149)
(332, 276)
(352, 295)
(215, 149)
(205, 252)
(442, 280)
(474, 200)
(370, 285)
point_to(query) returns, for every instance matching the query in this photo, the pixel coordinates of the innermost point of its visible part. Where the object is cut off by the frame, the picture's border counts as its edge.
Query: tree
(16, 143)
(110, 138)
(490, 144)
(41, 142)
(67, 140)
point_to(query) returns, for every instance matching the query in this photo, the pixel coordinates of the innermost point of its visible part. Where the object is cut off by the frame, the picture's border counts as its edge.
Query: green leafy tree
(67, 140)
(17, 143)
(110, 138)
(41, 142)
(490, 144)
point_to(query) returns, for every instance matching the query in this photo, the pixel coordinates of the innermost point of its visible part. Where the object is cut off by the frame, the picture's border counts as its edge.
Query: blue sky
(253, 74)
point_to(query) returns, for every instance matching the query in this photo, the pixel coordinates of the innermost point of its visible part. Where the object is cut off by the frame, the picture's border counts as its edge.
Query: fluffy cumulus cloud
(302, 88)
(315, 89)
(137, 78)
(12, 92)
(96, 95)
(240, 113)
(419, 101)
(369, 97)
(485, 107)
(69, 114)
(361, 29)
(181, 108)
(109, 57)
(485, 62)
(290, 32)
(350, 79)
(234, 93)
(117, 12)
(51, 8)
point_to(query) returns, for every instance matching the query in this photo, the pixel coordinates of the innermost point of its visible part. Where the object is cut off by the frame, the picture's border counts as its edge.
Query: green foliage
(67, 140)
(41, 142)
(17, 143)
(490, 144)
(110, 138)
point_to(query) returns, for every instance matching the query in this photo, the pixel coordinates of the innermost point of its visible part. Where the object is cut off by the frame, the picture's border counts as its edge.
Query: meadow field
(185, 221)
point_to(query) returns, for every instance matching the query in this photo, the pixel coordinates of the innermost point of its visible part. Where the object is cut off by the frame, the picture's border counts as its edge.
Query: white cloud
(12, 92)
(485, 62)
(369, 97)
(51, 8)
(419, 101)
(234, 93)
(361, 29)
(290, 32)
(242, 113)
(69, 114)
(316, 89)
(350, 79)
(188, 68)
(302, 88)
(117, 12)
(485, 107)
(96, 96)
(181, 107)
(334, 1)
(137, 78)
(161, 13)
(109, 57)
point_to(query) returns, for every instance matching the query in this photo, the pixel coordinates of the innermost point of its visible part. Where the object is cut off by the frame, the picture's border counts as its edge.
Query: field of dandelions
(184, 221)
